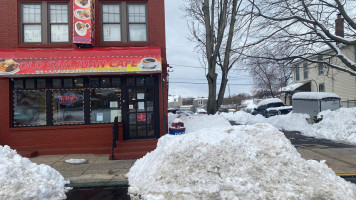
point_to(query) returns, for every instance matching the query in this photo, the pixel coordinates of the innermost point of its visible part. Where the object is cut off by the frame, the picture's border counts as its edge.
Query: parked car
(184, 112)
(271, 107)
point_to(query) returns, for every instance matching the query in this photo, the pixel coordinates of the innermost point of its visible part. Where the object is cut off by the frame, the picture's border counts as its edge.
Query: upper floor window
(124, 22)
(297, 75)
(111, 23)
(320, 66)
(305, 70)
(44, 22)
(321, 87)
(137, 22)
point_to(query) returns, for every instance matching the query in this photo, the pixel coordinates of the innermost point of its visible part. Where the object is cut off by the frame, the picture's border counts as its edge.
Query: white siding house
(316, 77)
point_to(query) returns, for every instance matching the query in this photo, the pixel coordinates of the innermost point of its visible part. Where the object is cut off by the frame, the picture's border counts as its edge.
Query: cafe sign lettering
(68, 99)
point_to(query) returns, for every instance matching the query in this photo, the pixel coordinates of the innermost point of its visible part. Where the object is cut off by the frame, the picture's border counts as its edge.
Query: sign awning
(29, 62)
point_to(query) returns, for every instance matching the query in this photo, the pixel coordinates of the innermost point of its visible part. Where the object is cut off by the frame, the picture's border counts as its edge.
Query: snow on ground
(338, 125)
(232, 162)
(75, 161)
(22, 179)
(206, 121)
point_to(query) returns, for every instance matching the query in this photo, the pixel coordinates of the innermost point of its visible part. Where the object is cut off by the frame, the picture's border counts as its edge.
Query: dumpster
(312, 103)
(177, 127)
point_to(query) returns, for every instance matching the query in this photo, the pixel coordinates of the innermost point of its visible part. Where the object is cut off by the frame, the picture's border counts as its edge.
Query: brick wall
(68, 139)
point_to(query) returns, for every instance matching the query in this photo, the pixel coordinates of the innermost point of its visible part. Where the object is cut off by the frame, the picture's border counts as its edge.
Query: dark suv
(271, 107)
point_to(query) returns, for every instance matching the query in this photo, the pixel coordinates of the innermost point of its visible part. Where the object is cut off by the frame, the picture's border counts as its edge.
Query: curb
(346, 175)
(99, 184)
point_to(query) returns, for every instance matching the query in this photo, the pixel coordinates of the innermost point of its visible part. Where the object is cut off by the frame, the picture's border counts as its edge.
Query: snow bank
(194, 123)
(289, 122)
(338, 125)
(238, 162)
(22, 179)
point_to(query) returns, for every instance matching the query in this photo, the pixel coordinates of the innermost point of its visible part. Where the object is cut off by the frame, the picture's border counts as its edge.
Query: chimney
(339, 26)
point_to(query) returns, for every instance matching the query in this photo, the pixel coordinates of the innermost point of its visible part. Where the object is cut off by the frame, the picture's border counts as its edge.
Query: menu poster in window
(115, 113)
(113, 104)
(141, 105)
(83, 21)
(99, 117)
(140, 95)
(141, 117)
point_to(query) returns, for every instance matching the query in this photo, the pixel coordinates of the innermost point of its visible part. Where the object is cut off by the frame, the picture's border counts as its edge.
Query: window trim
(45, 22)
(305, 71)
(297, 73)
(49, 39)
(124, 21)
(121, 5)
(128, 23)
(321, 84)
(22, 38)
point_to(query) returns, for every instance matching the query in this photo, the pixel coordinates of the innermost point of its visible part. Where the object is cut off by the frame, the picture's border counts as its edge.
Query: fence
(348, 103)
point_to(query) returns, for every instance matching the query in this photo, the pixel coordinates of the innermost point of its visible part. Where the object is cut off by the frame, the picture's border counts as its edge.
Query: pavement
(98, 170)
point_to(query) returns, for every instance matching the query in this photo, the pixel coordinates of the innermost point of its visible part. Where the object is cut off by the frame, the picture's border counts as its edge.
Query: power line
(183, 82)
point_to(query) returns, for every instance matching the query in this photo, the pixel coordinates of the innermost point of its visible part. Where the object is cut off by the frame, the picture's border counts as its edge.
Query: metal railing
(115, 136)
(348, 103)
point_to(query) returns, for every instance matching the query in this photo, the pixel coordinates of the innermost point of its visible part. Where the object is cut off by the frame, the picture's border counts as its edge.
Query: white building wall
(341, 83)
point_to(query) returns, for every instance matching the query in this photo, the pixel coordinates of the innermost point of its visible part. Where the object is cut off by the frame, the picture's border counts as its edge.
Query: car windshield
(272, 105)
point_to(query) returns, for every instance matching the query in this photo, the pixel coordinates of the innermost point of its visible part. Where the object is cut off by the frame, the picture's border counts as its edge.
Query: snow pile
(22, 179)
(338, 125)
(197, 122)
(289, 122)
(239, 162)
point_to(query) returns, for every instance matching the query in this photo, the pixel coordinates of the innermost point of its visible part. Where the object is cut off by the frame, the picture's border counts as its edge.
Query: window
(59, 23)
(37, 18)
(68, 107)
(320, 66)
(105, 105)
(137, 22)
(111, 23)
(305, 70)
(69, 100)
(297, 75)
(124, 22)
(321, 87)
(29, 103)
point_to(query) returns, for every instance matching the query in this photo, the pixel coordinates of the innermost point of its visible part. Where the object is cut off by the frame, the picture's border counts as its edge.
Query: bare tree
(308, 25)
(269, 75)
(217, 26)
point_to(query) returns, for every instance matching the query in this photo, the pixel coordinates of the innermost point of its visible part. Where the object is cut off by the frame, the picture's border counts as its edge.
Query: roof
(315, 95)
(292, 87)
(270, 100)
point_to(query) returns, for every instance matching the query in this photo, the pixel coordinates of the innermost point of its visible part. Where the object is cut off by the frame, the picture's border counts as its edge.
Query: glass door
(141, 108)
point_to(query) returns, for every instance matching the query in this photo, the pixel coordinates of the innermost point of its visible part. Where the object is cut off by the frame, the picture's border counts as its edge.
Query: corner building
(69, 68)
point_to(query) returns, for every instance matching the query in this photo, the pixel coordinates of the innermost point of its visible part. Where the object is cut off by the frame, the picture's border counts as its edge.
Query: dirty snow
(232, 162)
(338, 125)
(22, 179)
(75, 161)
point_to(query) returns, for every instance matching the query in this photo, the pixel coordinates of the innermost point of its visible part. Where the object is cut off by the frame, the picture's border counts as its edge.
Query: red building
(68, 68)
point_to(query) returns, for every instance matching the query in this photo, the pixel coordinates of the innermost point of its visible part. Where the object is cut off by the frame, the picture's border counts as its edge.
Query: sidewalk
(96, 169)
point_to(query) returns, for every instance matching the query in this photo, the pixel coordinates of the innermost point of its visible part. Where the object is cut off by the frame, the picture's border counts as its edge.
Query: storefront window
(105, 105)
(29, 108)
(68, 107)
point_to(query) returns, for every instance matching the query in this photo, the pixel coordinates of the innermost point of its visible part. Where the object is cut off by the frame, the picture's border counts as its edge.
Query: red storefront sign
(141, 117)
(79, 61)
(83, 21)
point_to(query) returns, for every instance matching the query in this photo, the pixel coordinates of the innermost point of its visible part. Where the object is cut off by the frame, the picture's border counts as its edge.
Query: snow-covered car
(271, 107)
(184, 112)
